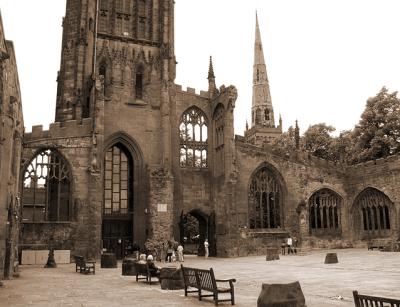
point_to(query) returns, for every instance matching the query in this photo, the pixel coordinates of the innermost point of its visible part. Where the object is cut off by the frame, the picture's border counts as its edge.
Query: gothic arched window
(139, 82)
(46, 188)
(118, 178)
(103, 16)
(265, 200)
(266, 114)
(374, 212)
(324, 212)
(219, 116)
(103, 74)
(258, 116)
(193, 139)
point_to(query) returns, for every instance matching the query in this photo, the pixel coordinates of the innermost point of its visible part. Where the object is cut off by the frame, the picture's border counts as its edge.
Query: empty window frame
(118, 178)
(46, 188)
(324, 212)
(374, 209)
(193, 139)
(265, 200)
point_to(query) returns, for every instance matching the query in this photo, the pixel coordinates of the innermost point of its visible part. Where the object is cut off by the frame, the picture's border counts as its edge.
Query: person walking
(180, 253)
(206, 248)
(170, 251)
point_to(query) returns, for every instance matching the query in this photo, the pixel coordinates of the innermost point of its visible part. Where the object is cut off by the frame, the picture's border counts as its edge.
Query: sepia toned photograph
(199, 153)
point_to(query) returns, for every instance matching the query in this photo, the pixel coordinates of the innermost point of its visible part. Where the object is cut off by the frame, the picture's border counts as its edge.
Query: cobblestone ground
(369, 272)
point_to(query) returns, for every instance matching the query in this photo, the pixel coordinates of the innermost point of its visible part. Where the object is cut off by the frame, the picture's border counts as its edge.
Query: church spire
(262, 110)
(212, 88)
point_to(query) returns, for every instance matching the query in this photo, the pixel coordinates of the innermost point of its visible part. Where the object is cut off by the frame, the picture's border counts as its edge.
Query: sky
(324, 58)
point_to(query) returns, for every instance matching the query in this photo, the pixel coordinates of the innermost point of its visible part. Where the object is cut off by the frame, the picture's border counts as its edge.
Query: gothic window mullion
(58, 199)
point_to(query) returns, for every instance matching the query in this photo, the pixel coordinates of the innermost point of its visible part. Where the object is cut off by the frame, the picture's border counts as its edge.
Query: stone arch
(47, 185)
(193, 138)
(206, 228)
(324, 212)
(128, 223)
(374, 215)
(266, 198)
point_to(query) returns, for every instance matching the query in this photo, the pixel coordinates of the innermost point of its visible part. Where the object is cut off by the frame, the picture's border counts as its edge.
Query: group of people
(169, 252)
(291, 244)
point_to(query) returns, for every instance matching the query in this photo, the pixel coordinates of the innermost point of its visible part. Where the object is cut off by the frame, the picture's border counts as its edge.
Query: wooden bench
(377, 243)
(366, 300)
(204, 280)
(142, 269)
(84, 266)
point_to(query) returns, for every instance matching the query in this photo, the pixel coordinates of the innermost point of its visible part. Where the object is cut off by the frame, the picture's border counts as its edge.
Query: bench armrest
(226, 280)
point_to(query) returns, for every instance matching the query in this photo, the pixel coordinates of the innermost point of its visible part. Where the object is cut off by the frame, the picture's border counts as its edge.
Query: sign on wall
(162, 207)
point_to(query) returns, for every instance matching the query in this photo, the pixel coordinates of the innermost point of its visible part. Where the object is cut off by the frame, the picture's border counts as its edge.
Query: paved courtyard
(370, 272)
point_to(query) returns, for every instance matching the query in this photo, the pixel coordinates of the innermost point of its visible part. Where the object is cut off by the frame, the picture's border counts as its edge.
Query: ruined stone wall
(383, 175)
(73, 141)
(11, 130)
(300, 175)
(192, 186)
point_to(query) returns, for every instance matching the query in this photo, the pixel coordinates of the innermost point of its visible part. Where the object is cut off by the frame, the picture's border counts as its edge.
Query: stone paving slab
(369, 272)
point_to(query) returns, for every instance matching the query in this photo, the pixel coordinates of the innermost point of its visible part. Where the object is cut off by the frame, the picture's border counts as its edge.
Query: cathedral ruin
(131, 153)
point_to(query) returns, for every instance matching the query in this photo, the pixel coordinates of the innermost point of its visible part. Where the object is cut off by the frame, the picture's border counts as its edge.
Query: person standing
(170, 251)
(289, 245)
(180, 252)
(206, 248)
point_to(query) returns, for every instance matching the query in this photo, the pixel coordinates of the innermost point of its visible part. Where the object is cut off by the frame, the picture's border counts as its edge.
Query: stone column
(161, 205)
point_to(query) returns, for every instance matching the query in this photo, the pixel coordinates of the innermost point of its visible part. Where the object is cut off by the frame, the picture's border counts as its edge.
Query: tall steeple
(212, 88)
(262, 111)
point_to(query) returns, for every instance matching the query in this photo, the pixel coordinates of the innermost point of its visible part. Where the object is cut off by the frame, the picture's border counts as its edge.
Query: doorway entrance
(196, 226)
(117, 237)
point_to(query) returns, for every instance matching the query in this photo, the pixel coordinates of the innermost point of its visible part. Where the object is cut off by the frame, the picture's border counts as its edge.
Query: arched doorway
(117, 226)
(195, 226)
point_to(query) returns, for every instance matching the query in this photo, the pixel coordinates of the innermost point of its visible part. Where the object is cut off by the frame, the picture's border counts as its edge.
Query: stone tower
(263, 128)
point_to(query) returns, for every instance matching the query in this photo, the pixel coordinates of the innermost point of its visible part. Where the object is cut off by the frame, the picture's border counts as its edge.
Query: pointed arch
(193, 135)
(266, 192)
(46, 187)
(373, 214)
(324, 207)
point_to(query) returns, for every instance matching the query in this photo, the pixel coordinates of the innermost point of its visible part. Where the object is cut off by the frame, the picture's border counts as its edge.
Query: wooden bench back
(189, 276)
(366, 300)
(141, 268)
(206, 279)
(80, 260)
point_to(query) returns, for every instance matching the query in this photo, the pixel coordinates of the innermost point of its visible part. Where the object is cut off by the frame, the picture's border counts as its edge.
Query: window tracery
(118, 167)
(193, 139)
(46, 188)
(265, 200)
(324, 212)
(374, 209)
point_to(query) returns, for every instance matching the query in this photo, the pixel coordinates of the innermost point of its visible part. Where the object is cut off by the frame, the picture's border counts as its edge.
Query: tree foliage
(378, 133)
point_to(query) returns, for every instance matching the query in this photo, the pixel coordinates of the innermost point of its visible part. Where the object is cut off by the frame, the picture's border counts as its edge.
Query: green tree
(286, 141)
(378, 133)
(318, 140)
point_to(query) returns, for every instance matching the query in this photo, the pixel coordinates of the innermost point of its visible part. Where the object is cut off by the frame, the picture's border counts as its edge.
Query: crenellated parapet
(191, 91)
(69, 128)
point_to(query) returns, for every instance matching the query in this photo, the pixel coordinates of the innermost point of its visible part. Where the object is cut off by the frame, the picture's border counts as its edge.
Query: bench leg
(233, 297)
(216, 298)
(199, 294)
